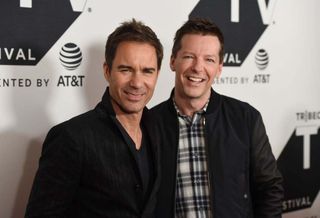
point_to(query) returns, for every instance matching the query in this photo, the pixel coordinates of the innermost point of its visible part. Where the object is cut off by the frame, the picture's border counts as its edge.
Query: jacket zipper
(176, 177)
(208, 166)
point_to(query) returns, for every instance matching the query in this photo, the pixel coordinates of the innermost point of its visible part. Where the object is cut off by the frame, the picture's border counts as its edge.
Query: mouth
(134, 96)
(195, 79)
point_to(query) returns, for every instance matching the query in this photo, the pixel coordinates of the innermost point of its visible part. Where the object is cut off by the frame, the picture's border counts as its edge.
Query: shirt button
(195, 154)
(245, 196)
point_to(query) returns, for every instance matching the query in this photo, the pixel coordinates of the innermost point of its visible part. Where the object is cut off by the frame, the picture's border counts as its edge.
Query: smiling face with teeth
(133, 77)
(196, 64)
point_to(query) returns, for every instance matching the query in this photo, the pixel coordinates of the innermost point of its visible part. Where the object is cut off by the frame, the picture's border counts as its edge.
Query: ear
(172, 61)
(106, 71)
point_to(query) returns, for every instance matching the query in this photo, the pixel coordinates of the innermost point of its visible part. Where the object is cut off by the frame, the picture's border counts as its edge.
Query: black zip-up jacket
(87, 169)
(244, 179)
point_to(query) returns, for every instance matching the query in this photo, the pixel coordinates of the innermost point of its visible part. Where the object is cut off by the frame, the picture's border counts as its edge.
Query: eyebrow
(211, 56)
(124, 67)
(131, 68)
(206, 55)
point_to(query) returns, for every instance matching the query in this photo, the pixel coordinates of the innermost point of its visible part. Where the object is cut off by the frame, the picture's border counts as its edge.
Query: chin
(193, 94)
(133, 108)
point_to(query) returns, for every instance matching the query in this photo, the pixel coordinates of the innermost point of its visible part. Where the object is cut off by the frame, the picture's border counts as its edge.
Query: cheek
(183, 66)
(121, 80)
(213, 72)
(179, 72)
(151, 83)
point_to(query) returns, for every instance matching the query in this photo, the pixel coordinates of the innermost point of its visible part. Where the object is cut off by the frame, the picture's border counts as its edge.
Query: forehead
(130, 45)
(200, 42)
(129, 51)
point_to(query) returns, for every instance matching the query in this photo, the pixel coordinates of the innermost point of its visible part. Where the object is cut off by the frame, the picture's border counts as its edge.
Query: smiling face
(133, 77)
(196, 65)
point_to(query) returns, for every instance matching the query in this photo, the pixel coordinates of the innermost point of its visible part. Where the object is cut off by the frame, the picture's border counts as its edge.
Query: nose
(197, 65)
(136, 80)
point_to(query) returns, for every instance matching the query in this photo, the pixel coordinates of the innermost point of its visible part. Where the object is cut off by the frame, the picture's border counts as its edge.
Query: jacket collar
(106, 103)
(214, 102)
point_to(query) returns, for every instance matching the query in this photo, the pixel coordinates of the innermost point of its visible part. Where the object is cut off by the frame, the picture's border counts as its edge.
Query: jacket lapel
(153, 137)
(106, 104)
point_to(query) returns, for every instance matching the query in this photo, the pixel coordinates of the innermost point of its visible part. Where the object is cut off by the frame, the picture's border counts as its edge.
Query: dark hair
(134, 31)
(198, 26)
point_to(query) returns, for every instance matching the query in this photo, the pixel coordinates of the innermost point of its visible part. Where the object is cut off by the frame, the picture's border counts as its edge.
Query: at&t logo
(70, 56)
(262, 59)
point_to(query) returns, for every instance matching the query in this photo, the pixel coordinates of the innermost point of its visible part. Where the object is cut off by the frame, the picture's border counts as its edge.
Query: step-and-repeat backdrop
(51, 55)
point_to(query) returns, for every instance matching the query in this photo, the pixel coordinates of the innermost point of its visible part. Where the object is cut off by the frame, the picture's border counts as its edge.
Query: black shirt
(145, 164)
(144, 160)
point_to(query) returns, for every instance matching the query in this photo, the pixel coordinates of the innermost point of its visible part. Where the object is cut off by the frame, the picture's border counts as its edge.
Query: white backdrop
(27, 113)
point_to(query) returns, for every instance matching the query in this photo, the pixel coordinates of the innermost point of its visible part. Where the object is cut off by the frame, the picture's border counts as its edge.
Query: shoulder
(233, 111)
(76, 127)
(163, 106)
(164, 112)
(238, 107)
(164, 109)
(79, 121)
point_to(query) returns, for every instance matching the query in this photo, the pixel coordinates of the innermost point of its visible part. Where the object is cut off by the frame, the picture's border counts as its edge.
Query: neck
(131, 123)
(189, 106)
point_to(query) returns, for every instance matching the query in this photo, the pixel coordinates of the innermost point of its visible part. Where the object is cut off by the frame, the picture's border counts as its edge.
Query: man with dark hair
(215, 155)
(104, 163)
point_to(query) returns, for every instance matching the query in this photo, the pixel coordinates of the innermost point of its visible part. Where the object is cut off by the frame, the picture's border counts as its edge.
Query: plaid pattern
(192, 191)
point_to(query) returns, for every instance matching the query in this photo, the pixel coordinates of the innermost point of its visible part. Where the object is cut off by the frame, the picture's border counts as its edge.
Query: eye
(124, 70)
(211, 60)
(187, 57)
(148, 71)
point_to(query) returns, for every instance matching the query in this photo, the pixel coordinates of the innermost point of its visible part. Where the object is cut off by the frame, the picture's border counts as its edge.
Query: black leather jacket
(244, 179)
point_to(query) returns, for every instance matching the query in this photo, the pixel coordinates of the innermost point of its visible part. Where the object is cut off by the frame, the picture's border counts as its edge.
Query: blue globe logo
(262, 59)
(70, 56)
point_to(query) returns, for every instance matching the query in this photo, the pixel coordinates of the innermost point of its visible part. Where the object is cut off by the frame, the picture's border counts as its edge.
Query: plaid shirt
(192, 191)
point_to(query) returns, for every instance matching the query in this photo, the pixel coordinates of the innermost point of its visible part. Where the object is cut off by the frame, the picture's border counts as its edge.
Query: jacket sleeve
(266, 180)
(57, 177)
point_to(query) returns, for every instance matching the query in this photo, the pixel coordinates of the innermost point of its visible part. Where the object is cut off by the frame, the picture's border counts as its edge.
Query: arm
(266, 180)
(57, 177)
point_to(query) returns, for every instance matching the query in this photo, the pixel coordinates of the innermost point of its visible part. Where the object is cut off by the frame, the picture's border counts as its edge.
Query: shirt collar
(199, 112)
